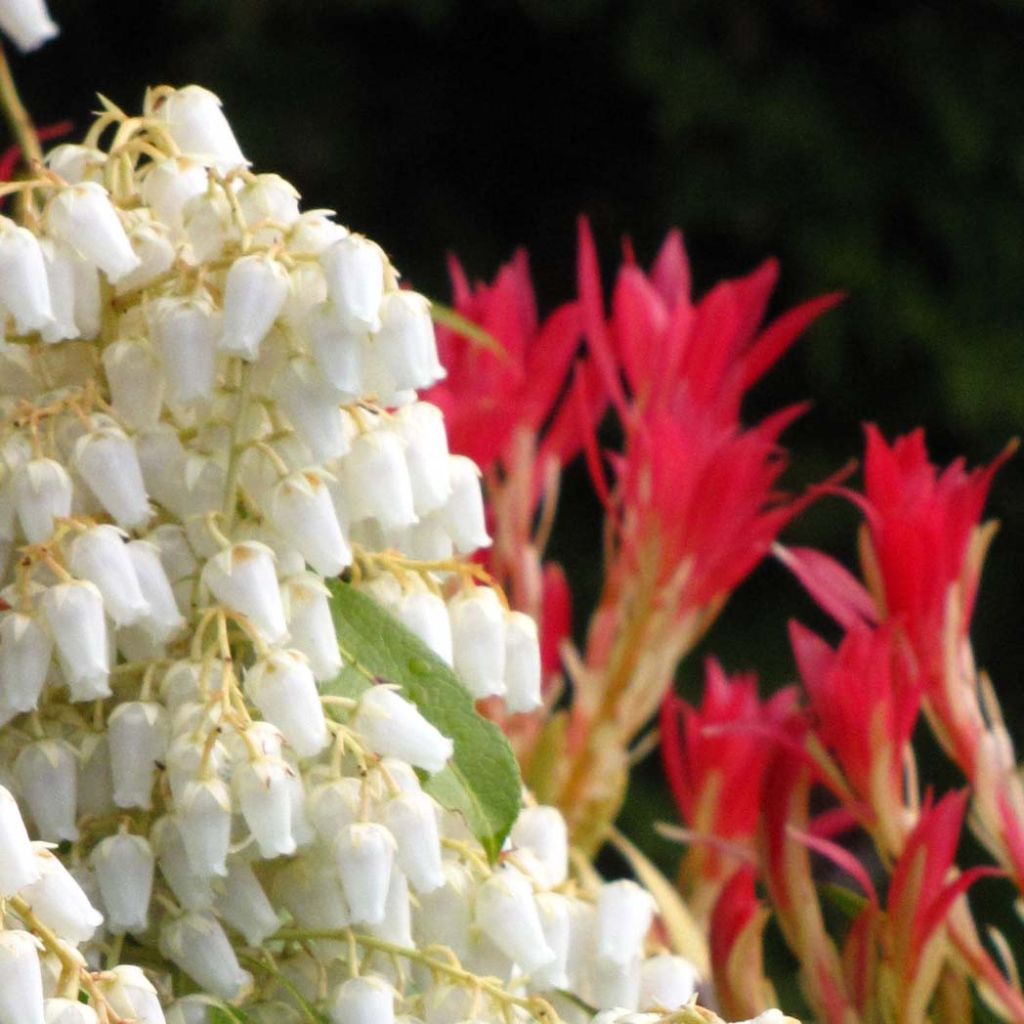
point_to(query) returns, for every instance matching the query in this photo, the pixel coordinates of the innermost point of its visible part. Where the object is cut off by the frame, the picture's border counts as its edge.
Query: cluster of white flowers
(208, 406)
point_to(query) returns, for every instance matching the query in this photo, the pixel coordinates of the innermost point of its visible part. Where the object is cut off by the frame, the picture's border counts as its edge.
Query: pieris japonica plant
(242, 777)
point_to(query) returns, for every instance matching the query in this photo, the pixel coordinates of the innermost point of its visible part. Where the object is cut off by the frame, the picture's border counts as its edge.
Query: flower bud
(302, 510)
(18, 865)
(60, 281)
(138, 736)
(425, 614)
(396, 924)
(269, 197)
(377, 482)
(311, 626)
(478, 640)
(197, 124)
(412, 819)
(47, 774)
(244, 905)
(542, 832)
(367, 1000)
(204, 822)
(265, 801)
(124, 866)
(555, 922)
(21, 979)
(312, 405)
(151, 242)
(338, 352)
(42, 493)
(282, 686)
(333, 805)
(170, 184)
(254, 295)
(406, 342)
(196, 943)
(58, 900)
(108, 463)
(24, 285)
(191, 890)
(74, 613)
(131, 995)
(136, 381)
(194, 1009)
(614, 985)
(506, 912)
(667, 982)
(100, 556)
(364, 853)
(522, 664)
(464, 516)
(83, 217)
(68, 1011)
(393, 727)
(28, 23)
(421, 426)
(624, 915)
(185, 330)
(163, 621)
(95, 778)
(354, 269)
(210, 225)
(25, 652)
(243, 579)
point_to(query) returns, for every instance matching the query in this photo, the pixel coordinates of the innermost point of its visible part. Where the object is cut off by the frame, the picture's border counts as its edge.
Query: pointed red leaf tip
(487, 399)
(921, 519)
(715, 755)
(834, 588)
(865, 700)
(840, 857)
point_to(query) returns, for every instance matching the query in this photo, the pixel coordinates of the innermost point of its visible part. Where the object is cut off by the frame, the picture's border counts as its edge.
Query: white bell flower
(18, 865)
(74, 613)
(58, 901)
(310, 890)
(24, 285)
(300, 507)
(60, 280)
(412, 819)
(624, 915)
(376, 479)
(254, 295)
(337, 351)
(478, 640)
(68, 1011)
(124, 866)
(192, 891)
(313, 406)
(151, 242)
(197, 124)
(186, 331)
(334, 804)
(169, 184)
(445, 915)
(243, 579)
(424, 613)
(366, 1000)
(163, 621)
(21, 979)
(282, 686)
(196, 943)
(406, 341)
(95, 779)
(138, 734)
(265, 802)
(108, 463)
(83, 217)
(244, 905)
(42, 492)
(28, 23)
(313, 232)
(204, 821)
(542, 831)
(99, 555)
(75, 163)
(47, 774)
(131, 994)
(354, 268)
(393, 727)
(553, 910)
(26, 650)
(268, 197)
(522, 664)
(506, 912)
(464, 515)
(667, 982)
(364, 853)
(310, 624)
(136, 379)
(614, 985)
(421, 426)
(210, 225)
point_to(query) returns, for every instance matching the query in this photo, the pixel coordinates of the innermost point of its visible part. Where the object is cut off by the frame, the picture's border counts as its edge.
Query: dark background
(876, 148)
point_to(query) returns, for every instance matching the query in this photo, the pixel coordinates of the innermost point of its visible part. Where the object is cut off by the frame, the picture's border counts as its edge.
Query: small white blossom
(28, 23)
(24, 285)
(197, 124)
(124, 866)
(21, 980)
(83, 217)
(354, 269)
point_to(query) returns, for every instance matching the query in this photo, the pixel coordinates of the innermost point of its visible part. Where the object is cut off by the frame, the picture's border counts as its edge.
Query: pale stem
(17, 116)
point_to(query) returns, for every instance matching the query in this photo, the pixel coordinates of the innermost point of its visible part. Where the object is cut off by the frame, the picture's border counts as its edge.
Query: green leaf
(481, 781)
(846, 901)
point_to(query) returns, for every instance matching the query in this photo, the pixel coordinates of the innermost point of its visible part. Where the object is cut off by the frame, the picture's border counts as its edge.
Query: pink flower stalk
(715, 756)
(864, 701)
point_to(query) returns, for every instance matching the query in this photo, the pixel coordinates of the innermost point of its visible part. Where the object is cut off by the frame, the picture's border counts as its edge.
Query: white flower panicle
(207, 408)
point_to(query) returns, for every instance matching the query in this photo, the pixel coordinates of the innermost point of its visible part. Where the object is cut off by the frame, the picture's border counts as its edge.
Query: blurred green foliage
(875, 148)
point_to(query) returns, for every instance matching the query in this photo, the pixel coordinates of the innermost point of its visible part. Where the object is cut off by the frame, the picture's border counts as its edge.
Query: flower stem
(18, 120)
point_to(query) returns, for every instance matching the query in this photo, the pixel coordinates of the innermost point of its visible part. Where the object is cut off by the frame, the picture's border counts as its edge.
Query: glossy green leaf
(482, 780)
